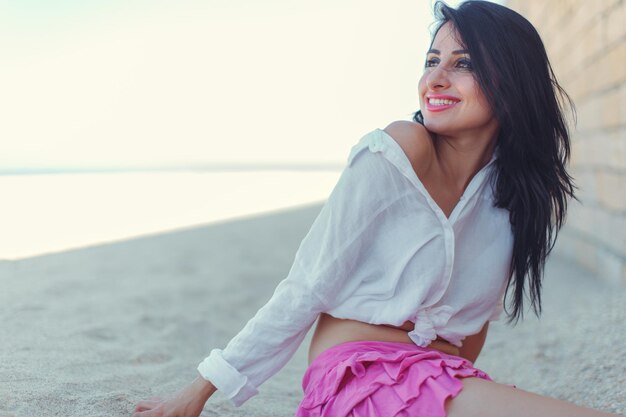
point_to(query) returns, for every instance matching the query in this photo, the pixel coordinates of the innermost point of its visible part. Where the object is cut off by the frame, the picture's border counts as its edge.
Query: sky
(101, 84)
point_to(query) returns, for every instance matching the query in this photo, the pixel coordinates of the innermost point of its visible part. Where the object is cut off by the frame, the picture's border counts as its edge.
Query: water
(51, 213)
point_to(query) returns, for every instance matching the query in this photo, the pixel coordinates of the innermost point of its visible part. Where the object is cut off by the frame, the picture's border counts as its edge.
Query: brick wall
(586, 43)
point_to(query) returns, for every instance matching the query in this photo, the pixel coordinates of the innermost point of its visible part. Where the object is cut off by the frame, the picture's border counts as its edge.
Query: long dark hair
(512, 68)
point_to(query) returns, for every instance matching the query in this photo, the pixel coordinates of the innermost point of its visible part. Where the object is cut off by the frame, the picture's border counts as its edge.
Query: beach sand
(90, 332)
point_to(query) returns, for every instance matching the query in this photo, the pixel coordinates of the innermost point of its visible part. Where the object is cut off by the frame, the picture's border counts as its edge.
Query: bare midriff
(331, 331)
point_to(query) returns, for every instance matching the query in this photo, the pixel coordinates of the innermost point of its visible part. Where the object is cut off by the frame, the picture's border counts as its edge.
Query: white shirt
(380, 251)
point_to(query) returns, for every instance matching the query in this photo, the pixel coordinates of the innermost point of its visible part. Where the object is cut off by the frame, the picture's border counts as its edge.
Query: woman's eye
(464, 64)
(431, 62)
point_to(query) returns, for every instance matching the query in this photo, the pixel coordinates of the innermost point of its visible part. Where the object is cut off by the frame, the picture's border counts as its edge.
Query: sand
(90, 332)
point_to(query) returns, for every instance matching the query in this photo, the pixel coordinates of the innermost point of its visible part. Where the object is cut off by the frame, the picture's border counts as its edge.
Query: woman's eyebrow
(457, 52)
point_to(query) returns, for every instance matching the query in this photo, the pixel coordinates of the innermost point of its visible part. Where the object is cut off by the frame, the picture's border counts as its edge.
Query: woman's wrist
(204, 387)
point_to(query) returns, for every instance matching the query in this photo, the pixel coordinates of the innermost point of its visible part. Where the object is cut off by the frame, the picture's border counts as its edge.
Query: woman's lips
(440, 103)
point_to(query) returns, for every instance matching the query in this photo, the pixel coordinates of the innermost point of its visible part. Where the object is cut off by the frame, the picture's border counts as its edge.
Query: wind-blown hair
(513, 71)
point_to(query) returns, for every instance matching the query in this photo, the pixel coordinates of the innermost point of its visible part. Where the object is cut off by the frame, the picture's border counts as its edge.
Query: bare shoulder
(414, 140)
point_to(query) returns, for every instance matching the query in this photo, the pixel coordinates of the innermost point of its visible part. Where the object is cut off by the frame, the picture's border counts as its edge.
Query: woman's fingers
(154, 412)
(148, 413)
(147, 404)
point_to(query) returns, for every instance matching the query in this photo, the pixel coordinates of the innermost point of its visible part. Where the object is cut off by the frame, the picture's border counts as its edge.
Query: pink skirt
(382, 379)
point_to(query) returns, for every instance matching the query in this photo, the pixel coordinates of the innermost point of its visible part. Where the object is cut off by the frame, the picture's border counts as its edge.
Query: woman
(411, 256)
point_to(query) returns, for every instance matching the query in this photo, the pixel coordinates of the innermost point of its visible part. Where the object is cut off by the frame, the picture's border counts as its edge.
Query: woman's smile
(439, 102)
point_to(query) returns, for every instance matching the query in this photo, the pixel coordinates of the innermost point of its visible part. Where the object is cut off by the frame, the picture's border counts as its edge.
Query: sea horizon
(47, 213)
(206, 167)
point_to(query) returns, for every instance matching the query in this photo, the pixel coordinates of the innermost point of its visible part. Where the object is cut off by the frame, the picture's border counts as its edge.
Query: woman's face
(450, 97)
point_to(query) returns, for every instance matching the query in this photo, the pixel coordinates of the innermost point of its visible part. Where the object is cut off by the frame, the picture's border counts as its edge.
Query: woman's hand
(188, 402)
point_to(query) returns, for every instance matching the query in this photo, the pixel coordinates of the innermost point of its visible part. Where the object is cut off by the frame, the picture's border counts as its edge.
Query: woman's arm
(322, 276)
(472, 345)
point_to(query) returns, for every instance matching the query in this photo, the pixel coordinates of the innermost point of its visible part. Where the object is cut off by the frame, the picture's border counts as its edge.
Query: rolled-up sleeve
(320, 278)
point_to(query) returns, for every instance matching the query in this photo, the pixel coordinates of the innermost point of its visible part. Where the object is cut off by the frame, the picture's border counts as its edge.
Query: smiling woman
(429, 225)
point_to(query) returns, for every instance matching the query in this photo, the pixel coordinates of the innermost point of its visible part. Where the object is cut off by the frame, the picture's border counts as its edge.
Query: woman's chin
(437, 128)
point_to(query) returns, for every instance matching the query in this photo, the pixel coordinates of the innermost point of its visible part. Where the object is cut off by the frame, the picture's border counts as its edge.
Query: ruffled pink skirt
(382, 379)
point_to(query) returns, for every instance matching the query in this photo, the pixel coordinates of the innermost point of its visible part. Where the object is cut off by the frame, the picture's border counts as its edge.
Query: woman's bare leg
(481, 398)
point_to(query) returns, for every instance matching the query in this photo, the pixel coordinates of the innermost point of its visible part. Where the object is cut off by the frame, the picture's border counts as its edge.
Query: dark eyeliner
(464, 63)
(430, 61)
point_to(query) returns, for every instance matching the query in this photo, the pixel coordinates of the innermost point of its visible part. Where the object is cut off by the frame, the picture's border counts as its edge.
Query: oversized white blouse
(380, 251)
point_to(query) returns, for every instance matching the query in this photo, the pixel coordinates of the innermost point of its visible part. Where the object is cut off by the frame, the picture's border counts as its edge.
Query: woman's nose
(437, 79)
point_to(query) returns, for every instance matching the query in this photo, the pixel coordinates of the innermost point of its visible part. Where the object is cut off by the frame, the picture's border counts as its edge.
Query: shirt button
(376, 144)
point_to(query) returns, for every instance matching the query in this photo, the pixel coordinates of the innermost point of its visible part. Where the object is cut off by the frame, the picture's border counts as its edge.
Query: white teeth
(440, 102)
